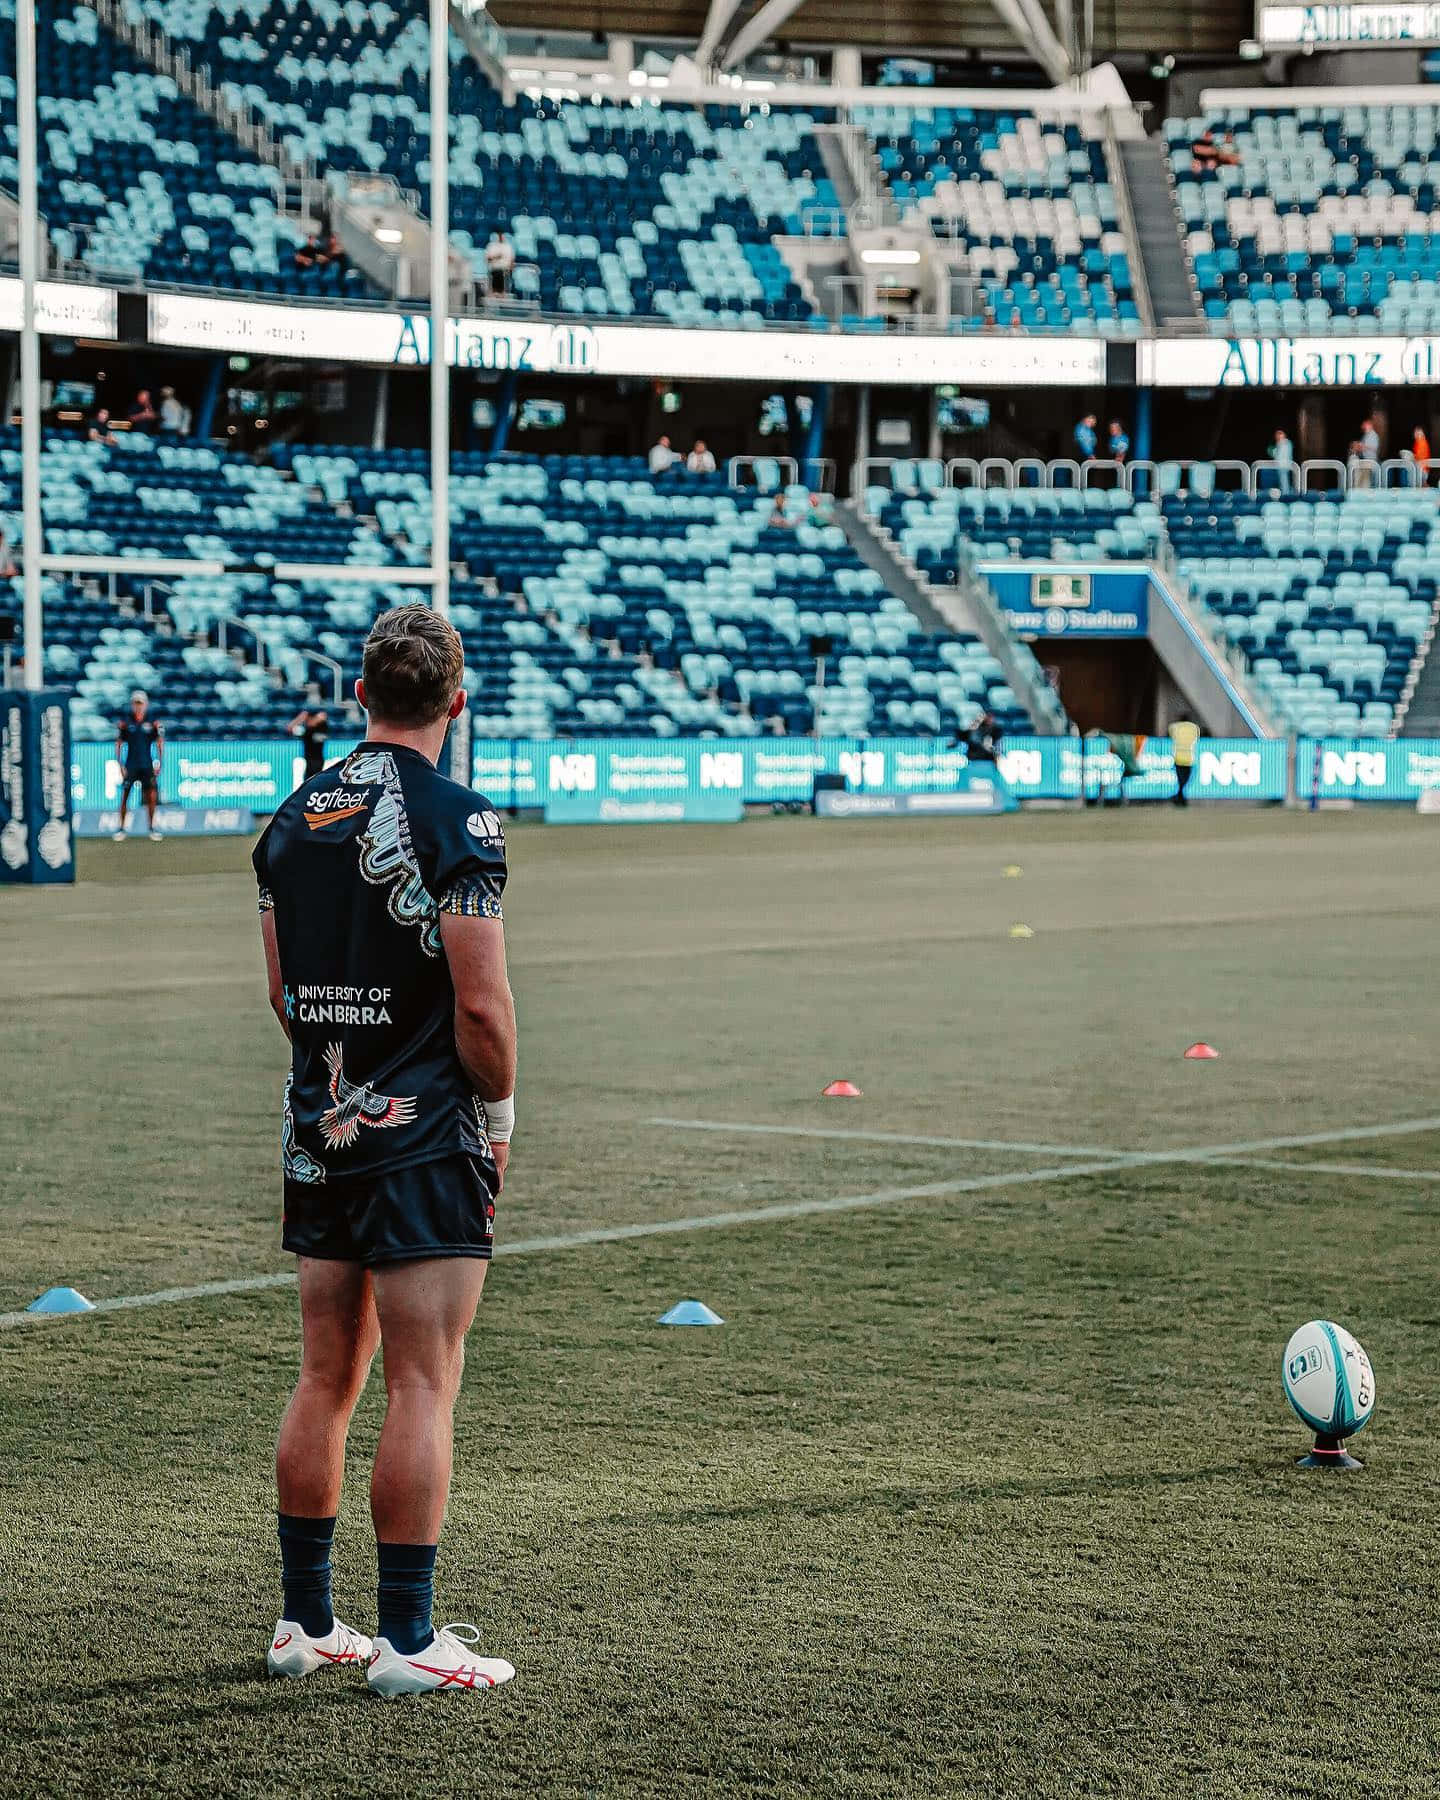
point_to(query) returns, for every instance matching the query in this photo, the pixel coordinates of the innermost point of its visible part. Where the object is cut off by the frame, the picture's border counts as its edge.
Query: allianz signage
(1302, 27)
(1291, 362)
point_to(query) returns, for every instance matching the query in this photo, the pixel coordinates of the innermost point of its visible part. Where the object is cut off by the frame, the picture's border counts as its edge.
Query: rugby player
(139, 746)
(380, 885)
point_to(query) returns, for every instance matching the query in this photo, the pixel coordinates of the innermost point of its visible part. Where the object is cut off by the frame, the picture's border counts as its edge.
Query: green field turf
(984, 1488)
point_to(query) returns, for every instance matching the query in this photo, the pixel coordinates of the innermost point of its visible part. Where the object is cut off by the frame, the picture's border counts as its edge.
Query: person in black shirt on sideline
(139, 747)
(380, 904)
(310, 725)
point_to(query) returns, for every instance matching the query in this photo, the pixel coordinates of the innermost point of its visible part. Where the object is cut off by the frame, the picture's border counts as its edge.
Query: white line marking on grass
(889, 1137)
(1121, 1162)
(1364, 1170)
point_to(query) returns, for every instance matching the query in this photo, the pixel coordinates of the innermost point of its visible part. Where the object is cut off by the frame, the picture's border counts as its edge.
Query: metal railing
(1125, 209)
(1151, 478)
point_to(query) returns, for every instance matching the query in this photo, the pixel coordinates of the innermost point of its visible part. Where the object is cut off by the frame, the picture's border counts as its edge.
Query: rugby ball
(1328, 1379)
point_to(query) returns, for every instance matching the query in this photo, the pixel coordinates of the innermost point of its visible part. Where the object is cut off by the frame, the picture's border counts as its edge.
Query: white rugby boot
(293, 1652)
(447, 1664)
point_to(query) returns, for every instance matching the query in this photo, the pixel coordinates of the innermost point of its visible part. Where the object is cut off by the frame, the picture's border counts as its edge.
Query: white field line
(799, 1209)
(1361, 1170)
(891, 1137)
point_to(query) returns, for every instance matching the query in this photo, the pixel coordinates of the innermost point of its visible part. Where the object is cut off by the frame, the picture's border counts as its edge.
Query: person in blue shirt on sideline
(1087, 439)
(1119, 442)
(139, 746)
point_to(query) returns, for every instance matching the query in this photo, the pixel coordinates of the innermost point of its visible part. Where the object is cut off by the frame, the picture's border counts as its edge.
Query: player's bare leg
(152, 800)
(124, 811)
(340, 1334)
(425, 1310)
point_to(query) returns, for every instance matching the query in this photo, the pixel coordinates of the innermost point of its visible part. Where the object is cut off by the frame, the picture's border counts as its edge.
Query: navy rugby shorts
(442, 1208)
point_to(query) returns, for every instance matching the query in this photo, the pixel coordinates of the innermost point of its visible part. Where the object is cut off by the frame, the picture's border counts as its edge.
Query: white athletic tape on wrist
(499, 1119)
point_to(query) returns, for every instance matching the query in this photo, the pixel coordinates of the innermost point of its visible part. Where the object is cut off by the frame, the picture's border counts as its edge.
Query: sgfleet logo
(329, 808)
(863, 768)
(724, 769)
(1352, 768)
(573, 773)
(1229, 768)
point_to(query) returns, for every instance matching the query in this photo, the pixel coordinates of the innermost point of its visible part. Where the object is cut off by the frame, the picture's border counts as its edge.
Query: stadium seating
(934, 525)
(1327, 595)
(1324, 221)
(1030, 200)
(594, 597)
(613, 209)
(136, 181)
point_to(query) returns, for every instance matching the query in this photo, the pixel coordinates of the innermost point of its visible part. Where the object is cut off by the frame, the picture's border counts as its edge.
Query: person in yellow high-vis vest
(1183, 737)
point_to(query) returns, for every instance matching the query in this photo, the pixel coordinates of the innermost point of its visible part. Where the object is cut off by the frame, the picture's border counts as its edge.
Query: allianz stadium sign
(1347, 27)
(1354, 362)
(549, 348)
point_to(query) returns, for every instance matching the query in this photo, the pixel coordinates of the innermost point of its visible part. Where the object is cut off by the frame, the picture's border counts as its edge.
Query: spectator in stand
(1420, 455)
(1370, 440)
(499, 264)
(1227, 153)
(663, 456)
(143, 416)
(101, 431)
(700, 461)
(172, 413)
(822, 508)
(1205, 152)
(1119, 447)
(311, 253)
(334, 251)
(1281, 455)
(1087, 438)
(779, 519)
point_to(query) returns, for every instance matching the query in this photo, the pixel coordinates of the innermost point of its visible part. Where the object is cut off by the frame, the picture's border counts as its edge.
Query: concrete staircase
(1173, 297)
(1419, 709)
(969, 607)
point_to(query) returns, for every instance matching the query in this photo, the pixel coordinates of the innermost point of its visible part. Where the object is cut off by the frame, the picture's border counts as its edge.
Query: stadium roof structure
(1120, 27)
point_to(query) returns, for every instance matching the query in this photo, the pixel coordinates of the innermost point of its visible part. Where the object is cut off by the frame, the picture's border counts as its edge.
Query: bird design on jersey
(356, 1106)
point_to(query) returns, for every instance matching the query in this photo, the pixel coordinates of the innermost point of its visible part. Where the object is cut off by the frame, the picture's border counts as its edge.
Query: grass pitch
(984, 1488)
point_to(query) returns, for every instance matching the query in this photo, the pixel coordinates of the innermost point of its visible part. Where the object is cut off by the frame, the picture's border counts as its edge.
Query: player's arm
(484, 1019)
(159, 747)
(273, 977)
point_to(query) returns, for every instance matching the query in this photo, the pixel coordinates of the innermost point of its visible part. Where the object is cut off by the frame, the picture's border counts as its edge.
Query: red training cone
(841, 1090)
(1202, 1053)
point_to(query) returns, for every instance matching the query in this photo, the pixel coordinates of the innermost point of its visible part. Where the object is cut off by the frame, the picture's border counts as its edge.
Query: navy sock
(305, 1563)
(407, 1592)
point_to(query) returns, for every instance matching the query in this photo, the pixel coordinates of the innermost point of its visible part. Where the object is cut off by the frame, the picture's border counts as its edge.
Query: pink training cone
(841, 1090)
(1202, 1053)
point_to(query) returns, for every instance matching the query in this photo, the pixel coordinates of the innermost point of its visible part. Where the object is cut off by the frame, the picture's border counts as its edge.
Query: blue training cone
(691, 1312)
(61, 1300)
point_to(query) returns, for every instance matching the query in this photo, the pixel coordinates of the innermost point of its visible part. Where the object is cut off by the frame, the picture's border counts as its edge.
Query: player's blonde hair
(414, 664)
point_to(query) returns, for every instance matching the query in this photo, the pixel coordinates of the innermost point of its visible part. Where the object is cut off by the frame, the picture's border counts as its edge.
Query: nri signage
(1346, 27)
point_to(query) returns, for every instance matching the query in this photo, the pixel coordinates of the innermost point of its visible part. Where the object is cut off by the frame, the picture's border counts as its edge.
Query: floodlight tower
(440, 304)
(30, 538)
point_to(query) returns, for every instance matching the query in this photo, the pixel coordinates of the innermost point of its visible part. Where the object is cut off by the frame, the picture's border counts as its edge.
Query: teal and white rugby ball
(1328, 1379)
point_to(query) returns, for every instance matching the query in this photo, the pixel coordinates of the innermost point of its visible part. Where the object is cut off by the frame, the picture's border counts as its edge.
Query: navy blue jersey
(358, 865)
(139, 737)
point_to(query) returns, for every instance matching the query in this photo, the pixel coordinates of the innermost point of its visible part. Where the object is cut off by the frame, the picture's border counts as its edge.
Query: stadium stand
(613, 210)
(1031, 201)
(1315, 218)
(934, 525)
(594, 597)
(1328, 595)
(136, 181)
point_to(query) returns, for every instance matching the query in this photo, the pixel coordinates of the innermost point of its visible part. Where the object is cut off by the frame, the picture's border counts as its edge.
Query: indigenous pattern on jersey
(357, 867)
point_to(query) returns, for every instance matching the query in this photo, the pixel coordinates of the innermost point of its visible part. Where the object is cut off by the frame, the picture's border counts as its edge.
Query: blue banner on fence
(1366, 768)
(574, 776)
